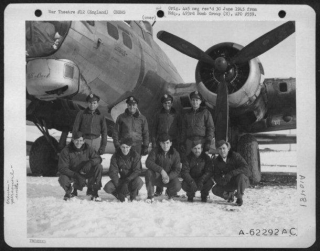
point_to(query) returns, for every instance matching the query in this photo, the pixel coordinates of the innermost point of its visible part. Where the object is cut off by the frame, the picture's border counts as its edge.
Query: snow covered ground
(48, 215)
(265, 207)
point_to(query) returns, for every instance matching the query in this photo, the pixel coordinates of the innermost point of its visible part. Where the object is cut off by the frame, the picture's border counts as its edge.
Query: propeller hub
(221, 64)
(230, 74)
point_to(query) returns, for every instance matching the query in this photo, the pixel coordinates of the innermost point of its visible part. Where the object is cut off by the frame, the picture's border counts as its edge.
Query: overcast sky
(278, 62)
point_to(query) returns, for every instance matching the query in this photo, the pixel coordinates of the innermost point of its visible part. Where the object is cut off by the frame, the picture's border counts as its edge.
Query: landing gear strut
(249, 149)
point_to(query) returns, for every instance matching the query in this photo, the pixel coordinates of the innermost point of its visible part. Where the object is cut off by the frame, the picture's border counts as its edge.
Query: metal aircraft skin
(115, 59)
(100, 64)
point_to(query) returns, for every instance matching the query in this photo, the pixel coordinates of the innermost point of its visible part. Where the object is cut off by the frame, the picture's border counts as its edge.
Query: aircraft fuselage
(115, 59)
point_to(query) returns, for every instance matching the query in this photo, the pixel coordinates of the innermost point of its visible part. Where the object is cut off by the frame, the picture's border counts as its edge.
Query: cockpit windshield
(44, 37)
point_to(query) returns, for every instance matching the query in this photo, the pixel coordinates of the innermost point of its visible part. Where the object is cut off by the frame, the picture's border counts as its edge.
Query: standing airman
(132, 124)
(92, 124)
(196, 122)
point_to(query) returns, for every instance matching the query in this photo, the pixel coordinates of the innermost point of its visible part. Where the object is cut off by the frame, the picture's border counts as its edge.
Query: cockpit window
(113, 31)
(127, 40)
(44, 37)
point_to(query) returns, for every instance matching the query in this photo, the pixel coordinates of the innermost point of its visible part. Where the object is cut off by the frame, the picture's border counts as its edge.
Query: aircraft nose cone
(221, 64)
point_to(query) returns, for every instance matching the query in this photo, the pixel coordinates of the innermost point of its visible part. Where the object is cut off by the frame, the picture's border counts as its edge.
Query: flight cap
(196, 95)
(92, 97)
(132, 100)
(166, 97)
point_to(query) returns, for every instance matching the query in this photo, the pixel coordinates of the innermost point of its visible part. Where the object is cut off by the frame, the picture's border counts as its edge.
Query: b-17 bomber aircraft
(68, 60)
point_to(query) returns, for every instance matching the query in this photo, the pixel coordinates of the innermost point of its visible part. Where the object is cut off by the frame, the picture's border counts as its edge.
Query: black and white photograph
(176, 127)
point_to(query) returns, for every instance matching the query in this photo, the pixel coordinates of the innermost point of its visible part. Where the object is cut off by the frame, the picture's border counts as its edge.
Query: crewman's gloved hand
(166, 180)
(144, 150)
(182, 148)
(80, 179)
(87, 167)
(207, 145)
(101, 150)
(193, 187)
(165, 177)
(200, 185)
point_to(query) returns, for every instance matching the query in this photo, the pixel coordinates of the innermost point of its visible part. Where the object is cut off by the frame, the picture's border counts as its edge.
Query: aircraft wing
(267, 139)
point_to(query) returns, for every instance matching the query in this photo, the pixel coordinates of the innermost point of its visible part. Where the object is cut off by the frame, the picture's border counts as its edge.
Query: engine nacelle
(244, 83)
(48, 79)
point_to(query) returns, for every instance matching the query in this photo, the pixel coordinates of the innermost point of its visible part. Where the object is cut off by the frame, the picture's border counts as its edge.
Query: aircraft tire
(42, 158)
(248, 147)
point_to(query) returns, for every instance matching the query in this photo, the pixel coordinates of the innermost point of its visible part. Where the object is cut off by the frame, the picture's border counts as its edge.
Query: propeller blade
(221, 118)
(264, 43)
(185, 47)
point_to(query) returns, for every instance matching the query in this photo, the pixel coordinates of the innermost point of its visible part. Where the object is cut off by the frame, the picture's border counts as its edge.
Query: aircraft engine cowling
(48, 79)
(244, 81)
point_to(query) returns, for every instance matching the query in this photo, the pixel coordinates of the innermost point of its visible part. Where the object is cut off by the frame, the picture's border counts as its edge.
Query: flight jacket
(130, 125)
(197, 123)
(72, 159)
(234, 165)
(91, 123)
(166, 122)
(197, 168)
(125, 166)
(158, 160)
